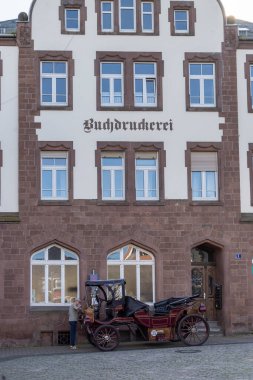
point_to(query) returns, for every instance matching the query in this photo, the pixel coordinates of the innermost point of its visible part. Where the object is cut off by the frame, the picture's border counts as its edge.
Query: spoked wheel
(193, 330)
(106, 338)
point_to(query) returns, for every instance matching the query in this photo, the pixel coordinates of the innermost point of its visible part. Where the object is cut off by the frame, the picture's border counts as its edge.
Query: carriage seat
(132, 305)
(163, 307)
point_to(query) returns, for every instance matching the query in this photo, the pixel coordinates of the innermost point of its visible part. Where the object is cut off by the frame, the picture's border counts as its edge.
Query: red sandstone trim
(186, 6)
(205, 147)
(56, 146)
(116, 31)
(129, 149)
(56, 56)
(250, 166)
(128, 59)
(73, 4)
(206, 58)
(249, 61)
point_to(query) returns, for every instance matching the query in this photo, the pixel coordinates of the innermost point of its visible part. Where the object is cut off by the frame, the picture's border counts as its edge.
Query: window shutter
(147, 155)
(204, 161)
(112, 154)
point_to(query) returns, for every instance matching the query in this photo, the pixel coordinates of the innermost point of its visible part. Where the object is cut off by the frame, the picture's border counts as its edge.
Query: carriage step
(215, 328)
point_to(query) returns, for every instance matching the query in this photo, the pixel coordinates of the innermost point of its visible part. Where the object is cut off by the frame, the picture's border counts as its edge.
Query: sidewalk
(11, 353)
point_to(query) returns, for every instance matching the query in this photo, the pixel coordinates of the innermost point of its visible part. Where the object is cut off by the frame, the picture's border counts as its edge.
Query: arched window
(54, 276)
(137, 267)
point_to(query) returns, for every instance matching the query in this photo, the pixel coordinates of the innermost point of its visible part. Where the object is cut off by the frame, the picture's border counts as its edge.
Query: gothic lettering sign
(117, 125)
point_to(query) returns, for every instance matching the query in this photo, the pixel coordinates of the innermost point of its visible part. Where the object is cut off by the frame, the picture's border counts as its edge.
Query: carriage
(108, 309)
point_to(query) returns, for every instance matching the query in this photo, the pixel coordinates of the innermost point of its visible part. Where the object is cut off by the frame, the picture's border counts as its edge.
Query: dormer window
(147, 16)
(127, 16)
(72, 20)
(107, 16)
(73, 14)
(139, 17)
(182, 18)
(181, 21)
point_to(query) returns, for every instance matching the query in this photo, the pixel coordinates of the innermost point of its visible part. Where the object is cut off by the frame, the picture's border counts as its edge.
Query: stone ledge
(48, 308)
(9, 217)
(246, 218)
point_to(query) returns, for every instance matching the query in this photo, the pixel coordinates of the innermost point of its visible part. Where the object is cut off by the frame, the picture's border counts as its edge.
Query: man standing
(74, 307)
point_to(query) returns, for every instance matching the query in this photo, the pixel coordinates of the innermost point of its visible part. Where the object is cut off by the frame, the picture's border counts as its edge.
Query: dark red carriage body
(108, 309)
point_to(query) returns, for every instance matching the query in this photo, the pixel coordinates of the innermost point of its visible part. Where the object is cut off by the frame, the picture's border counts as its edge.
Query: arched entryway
(205, 275)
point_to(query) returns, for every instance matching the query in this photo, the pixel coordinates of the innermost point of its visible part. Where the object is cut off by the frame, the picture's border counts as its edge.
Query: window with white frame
(181, 21)
(145, 79)
(54, 83)
(113, 176)
(72, 20)
(202, 84)
(146, 176)
(107, 17)
(54, 175)
(204, 176)
(251, 84)
(54, 276)
(137, 267)
(147, 16)
(111, 84)
(127, 15)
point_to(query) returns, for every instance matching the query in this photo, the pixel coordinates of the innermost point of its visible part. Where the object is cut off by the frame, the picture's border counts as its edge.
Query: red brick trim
(56, 56)
(128, 59)
(186, 6)
(54, 242)
(56, 146)
(245, 44)
(129, 149)
(204, 58)
(157, 11)
(8, 41)
(73, 4)
(250, 166)
(249, 61)
(157, 147)
(205, 147)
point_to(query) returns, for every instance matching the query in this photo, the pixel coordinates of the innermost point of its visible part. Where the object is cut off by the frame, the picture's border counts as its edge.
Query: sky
(241, 9)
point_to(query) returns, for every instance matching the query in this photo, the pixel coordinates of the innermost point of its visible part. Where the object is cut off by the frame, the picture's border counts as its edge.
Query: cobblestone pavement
(220, 358)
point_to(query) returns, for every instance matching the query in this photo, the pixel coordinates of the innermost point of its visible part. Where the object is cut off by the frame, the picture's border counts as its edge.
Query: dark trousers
(73, 325)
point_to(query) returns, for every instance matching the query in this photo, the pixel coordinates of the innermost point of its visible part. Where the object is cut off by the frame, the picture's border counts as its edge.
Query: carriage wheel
(193, 330)
(106, 338)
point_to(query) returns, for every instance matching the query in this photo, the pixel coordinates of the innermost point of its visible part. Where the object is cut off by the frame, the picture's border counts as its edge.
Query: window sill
(246, 218)
(73, 32)
(54, 203)
(55, 108)
(112, 203)
(129, 108)
(9, 217)
(187, 34)
(149, 203)
(202, 109)
(47, 308)
(134, 33)
(206, 203)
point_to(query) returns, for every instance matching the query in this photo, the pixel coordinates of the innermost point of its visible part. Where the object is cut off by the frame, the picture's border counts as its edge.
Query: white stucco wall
(188, 126)
(9, 129)
(245, 130)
